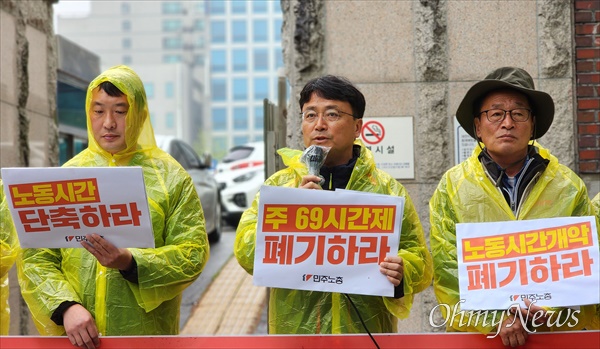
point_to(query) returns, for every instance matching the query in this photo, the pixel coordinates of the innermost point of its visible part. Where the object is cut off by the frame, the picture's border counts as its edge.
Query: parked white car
(240, 175)
(204, 180)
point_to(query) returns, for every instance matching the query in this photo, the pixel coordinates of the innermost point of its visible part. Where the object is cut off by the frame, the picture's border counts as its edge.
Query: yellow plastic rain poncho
(465, 195)
(308, 312)
(49, 277)
(595, 321)
(9, 247)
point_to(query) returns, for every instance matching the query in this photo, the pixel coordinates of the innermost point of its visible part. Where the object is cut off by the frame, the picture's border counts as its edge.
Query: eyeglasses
(329, 115)
(498, 115)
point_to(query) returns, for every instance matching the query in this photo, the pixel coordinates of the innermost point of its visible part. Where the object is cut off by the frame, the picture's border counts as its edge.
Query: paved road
(220, 253)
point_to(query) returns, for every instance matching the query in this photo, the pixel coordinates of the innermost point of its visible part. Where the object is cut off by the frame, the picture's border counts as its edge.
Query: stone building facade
(418, 58)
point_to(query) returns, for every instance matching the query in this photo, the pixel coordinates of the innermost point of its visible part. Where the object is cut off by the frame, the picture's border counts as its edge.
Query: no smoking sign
(372, 132)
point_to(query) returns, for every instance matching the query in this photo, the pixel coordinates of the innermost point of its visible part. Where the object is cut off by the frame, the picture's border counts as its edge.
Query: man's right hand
(81, 327)
(310, 182)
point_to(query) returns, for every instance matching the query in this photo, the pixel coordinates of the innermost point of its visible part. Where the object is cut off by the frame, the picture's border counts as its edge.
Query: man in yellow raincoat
(102, 289)
(9, 247)
(332, 110)
(508, 177)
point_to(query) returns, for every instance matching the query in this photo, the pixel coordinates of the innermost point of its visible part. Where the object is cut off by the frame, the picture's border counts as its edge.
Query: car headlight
(245, 177)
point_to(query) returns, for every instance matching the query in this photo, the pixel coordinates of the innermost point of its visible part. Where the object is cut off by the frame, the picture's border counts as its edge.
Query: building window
(199, 60)
(215, 7)
(126, 59)
(171, 7)
(199, 6)
(149, 87)
(240, 89)
(276, 6)
(238, 31)
(240, 119)
(218, 61)
(261, 88)
(260, 6)
(219, 119)
(277, 30)
(200, 42)
(240, 61)
(171, 58)
(240, 140)
(217, 32)
(238, 6)
(258, 138)
(172, 43)
(278, 58)
(261, 59)
(169, 89)
(260, 31)
(259, 118)
(199, 24)
(126, 43)
(170, 120)
(126, 26)
(125, 8)
(171, 25)
(218, 89)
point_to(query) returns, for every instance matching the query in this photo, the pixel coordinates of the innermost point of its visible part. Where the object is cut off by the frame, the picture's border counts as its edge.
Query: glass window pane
(126, 43)
(276, 6)
(169, 90)
(260, 6)
(240, 89)
(261, 88)
(238, 31)
(260, 31)
(172, 43)
(259, 118)
(277, 30)
(199, 59)
(170, 120)
(171, 25)
(240, 61)
(240, 119)
(278, 58)
(215, 7)
(199, 42)
(218, 61)
(171, 7)
(172, 58)
(149, 87)
(238, 6)
(218, 89)
(261, 59)
(126, 26)
(240, 140)
(219, 119)
(126, 59)
(199, 24)
(217, 31)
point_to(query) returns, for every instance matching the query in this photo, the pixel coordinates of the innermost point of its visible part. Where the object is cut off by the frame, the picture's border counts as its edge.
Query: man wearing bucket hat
(508, 177)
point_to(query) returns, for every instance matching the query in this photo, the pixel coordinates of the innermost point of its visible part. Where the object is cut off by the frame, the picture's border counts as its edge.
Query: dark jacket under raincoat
(466, 194)
(312, 312)
(49, 277)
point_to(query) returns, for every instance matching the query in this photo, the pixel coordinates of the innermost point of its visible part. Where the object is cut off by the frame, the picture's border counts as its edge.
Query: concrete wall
(28, 131)
(419, 58)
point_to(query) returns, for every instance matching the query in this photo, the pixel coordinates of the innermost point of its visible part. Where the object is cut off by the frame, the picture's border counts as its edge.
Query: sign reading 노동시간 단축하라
(56, 207)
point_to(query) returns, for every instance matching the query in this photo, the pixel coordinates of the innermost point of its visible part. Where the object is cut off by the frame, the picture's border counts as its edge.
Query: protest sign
(543, 260)
(329, 241)
(56, 207)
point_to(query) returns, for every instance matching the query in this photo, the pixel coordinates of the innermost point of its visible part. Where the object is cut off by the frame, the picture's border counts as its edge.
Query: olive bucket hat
(518, 79)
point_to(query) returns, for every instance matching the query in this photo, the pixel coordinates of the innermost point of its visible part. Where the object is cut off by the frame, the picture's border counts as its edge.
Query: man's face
(505, 138)
(339, 135)
(107, 117)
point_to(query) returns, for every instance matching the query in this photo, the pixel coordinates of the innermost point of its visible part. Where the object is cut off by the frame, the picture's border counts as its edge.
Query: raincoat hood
(139, 135)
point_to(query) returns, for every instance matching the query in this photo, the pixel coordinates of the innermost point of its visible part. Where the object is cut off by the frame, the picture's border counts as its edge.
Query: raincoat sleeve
(164, 272)
(9, 246)
(413, 250)
(445, 265)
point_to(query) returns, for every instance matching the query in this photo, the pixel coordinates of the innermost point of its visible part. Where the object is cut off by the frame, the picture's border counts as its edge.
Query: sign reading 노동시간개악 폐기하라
(56, 207)
(542, 260)
(330, 241)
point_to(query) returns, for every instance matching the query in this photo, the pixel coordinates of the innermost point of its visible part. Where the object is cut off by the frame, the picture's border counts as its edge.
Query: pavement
(230, 305)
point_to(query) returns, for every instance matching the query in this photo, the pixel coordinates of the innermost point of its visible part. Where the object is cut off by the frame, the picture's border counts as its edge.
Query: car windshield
(238, 153)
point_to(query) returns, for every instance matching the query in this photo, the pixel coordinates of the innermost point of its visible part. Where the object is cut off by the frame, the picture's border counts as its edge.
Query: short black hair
(335, 88)
(110, 89)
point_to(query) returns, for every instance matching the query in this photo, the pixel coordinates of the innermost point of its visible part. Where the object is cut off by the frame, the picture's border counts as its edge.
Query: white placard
(390, 139)
(56, 207)
(503, 263)
(331, 241)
